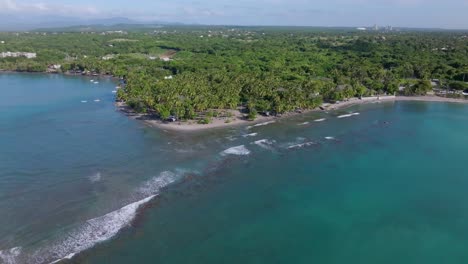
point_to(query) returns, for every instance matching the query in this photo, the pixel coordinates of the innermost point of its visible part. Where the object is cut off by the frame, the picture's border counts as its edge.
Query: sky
(451, 14)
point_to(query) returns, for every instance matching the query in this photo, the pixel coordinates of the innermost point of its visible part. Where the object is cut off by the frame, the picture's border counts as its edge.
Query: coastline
(238, 119)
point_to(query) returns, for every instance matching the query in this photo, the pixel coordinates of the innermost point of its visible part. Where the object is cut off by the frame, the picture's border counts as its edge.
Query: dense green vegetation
(258, 69)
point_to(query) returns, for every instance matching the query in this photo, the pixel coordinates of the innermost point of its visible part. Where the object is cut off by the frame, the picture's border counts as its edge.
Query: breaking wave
(9, 256)
(261, 124)
(154, 185)
(250, 135)
(348, 115)
(303, 124)
(239, 150)
(95, 230)
(320, 120)
(301, 145)
(264, 143)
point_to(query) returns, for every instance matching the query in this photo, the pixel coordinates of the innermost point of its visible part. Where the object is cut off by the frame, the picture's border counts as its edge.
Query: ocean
(82, 183)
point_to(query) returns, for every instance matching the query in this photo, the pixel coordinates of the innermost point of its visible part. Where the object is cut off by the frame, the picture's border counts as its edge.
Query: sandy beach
(239, 119)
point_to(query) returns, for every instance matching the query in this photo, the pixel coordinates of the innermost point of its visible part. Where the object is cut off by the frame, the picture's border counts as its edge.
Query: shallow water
(387, 185)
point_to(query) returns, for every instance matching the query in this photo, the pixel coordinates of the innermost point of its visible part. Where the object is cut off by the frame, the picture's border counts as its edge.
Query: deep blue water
(385, 186)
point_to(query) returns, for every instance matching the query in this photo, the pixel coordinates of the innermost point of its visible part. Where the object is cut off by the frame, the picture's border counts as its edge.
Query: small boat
(91, 80)
(84, 101)
(97, 100)
(96, 82)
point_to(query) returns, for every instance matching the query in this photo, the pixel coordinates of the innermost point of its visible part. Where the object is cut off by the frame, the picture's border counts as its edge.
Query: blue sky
(409, 13)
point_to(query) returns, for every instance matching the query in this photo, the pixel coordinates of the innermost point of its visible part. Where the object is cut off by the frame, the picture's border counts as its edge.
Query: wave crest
(264, 143)
(239, 150)
(348, 115)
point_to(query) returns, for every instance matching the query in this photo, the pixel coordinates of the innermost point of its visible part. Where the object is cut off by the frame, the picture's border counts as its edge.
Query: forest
(188, 72)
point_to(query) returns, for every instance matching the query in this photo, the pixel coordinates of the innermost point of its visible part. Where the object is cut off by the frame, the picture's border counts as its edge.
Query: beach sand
(239, 119)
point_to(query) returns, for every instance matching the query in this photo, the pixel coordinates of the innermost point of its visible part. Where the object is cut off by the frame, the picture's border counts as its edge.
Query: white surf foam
(96, 82)
(303, 124)
(105, 227)
(239, 150)
(329, 138)
(69, 256)
(320, 120)
(250, 135)
(261, 124)
(154, 185)
(348, 115)
(94, 231)
(96, 177)
(114, 91)
(231, 138)
(264, 143)
(9, 256)
(84, 101)
(97, 100)
(301, 145)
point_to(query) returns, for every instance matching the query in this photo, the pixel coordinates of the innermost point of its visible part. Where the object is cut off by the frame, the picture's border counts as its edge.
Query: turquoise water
(385, 186)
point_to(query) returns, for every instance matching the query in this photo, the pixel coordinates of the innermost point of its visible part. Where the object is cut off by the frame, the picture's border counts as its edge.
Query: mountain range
(24, 23)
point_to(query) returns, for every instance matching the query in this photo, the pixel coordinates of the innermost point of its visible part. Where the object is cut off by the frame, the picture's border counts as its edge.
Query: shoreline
(238, 118)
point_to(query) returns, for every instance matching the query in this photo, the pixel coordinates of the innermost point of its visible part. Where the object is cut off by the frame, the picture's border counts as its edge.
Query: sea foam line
(100, 229)
(96, 230)
(320, 120)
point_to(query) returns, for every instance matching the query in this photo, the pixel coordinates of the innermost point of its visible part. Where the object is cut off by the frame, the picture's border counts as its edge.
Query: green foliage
(264, 69)
(252, 115)
(457, 85)
(204, 121)
(420, 88)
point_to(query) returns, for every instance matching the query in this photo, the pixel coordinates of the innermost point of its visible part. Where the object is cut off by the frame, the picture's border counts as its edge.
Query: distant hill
(28, 23)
